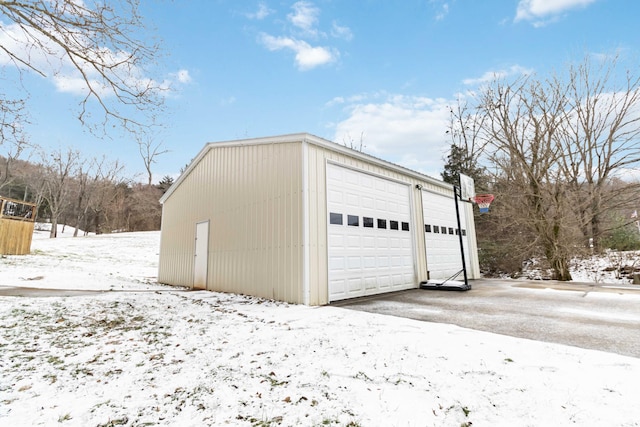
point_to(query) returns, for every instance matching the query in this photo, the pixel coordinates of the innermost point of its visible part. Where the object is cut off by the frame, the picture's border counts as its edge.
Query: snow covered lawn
(146, 354)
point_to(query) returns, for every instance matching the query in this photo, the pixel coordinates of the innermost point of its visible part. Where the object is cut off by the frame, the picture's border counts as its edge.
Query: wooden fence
(16, 226)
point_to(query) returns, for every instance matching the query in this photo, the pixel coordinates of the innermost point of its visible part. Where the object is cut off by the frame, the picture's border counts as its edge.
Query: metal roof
(301, 138)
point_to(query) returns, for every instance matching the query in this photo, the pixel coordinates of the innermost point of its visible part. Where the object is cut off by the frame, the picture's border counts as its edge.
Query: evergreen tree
(459, 161)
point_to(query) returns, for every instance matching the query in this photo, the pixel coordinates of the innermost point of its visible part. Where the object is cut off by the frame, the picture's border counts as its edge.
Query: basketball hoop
(483, 201)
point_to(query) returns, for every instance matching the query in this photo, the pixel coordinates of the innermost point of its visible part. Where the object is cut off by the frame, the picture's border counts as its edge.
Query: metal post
(456, 194)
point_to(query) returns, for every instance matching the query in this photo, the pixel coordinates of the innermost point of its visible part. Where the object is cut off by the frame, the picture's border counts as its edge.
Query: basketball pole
(457, 193)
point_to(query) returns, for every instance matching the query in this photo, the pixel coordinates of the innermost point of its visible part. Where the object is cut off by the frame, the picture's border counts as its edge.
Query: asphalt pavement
(593, 316)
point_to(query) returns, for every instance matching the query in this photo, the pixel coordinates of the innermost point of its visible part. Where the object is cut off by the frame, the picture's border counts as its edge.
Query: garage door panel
(370, 283)
(335, 197)
(354, 286)
(396, 261)
(353, 263)
(351, 177)
(353, 200)
(336, 263)
(368, 242)
(369, 262)
(366, 182)
(382, 242)
(337, 287)
(353, 242)
(336, 240)
(372, 204)
(384, 282)
(395, 243)
(368, 202)
(383, 261)
(441, 238)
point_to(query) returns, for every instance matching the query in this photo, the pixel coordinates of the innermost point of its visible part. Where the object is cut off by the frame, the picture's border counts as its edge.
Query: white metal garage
(370, 249)
(441, 235)
(301, 219)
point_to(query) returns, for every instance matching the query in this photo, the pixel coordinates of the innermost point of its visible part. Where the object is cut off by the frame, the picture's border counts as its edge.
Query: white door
(441, 235)
(201, 257)
(370, 248)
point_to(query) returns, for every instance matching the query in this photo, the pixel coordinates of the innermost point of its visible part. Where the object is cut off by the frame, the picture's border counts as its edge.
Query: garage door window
(405, 226)
(382, 223)
(353, 220)
(335, 218)
(436, 229)
(393, 225)
(367, 222)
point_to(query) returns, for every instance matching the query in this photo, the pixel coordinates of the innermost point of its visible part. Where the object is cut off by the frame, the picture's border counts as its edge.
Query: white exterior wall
(252, 197)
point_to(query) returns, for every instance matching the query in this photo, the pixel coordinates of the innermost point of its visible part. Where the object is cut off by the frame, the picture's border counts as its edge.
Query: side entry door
(201, 256)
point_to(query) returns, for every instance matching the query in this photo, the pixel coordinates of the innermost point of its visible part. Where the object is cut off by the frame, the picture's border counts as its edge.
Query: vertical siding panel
(251, 196)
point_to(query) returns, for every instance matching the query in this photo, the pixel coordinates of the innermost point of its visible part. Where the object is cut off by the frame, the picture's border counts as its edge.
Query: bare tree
(349, 142)
(105, 191)
(12, 139)
(559, 145)
(523, 120)
(88, 45)
(467, 144)
(82, 181)
(602, 138)
(149, 151)
(59, 167)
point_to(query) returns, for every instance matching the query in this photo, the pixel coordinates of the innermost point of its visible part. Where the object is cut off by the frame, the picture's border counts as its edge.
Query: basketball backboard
(467, 187)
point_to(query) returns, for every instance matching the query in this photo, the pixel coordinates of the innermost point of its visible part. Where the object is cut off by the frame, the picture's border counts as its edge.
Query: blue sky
(339, 69)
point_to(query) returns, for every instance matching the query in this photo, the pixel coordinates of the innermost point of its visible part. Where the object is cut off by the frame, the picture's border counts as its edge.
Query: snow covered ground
(147, 354)
(613, 267)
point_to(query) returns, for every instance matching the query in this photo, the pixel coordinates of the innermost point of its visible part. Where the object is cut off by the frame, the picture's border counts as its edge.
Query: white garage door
(369, 239)
(441, 235)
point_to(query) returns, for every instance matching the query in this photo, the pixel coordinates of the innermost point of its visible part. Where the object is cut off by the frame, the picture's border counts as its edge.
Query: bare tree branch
(97, 50)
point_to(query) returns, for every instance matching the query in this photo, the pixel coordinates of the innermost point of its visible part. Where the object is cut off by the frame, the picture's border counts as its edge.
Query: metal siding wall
(318, 269)
(252, 195)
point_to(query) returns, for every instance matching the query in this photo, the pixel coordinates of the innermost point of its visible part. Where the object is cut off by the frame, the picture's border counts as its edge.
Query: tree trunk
(595, 224)
(560, 267)
(54, 228)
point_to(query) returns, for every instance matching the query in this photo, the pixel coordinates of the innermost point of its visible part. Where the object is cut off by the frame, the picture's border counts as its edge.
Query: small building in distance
(16, 226)
(301, 219)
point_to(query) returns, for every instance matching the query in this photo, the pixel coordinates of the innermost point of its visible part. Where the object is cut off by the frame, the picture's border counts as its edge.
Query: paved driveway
(598, 317)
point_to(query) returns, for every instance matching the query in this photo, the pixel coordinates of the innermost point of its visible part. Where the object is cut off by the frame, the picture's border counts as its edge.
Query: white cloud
(260, 14)
(407, 130)
(535, 10)
(227, 101)
(51, 60)
(305, 17)
(307, 56)
(444, 11)
(341, 32)
(13, 39)
(489, 76)
(183, 76)
(76, 85)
